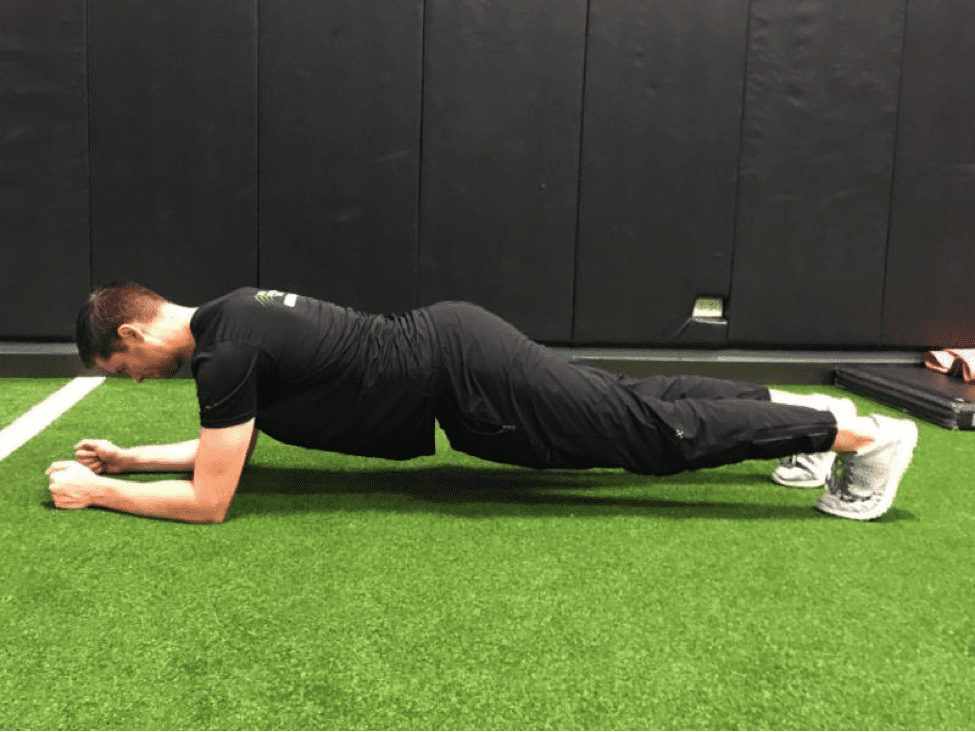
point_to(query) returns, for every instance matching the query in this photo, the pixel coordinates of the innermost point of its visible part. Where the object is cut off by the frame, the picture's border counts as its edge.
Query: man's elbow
(210, 505)
(212, 518)
(218, 514)
(211, 513)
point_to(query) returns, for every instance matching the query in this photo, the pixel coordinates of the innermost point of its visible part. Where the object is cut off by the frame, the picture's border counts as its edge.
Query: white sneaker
(810, 470)
(866, 485)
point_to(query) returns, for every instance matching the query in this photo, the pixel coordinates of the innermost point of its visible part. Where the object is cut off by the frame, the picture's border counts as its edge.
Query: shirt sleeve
(226, 383)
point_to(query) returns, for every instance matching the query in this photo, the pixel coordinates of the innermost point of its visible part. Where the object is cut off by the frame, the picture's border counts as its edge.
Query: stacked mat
(942, 399)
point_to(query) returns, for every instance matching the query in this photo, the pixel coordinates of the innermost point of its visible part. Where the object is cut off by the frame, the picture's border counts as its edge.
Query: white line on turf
(33, 421)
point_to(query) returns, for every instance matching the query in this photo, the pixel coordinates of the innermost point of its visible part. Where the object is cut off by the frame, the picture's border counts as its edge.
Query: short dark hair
(107, 308)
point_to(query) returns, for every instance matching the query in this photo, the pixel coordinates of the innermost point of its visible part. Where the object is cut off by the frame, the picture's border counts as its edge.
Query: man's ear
(130, 332)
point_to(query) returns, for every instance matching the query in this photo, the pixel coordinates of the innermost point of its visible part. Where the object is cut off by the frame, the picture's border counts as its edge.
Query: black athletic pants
(502, 397)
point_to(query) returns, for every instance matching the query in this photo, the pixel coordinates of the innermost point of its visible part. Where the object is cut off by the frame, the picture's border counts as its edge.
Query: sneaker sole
(808, 483)
(799, 483)
(897, 470)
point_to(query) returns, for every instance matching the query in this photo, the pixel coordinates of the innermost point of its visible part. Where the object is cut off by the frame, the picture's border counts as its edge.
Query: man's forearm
(171, 499)
(177, 458)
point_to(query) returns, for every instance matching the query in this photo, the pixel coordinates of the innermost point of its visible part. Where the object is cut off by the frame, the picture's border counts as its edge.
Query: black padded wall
(816, 171)
(340, 149)
(931, 260)
(174, 144)
(585, 168)
(502, 111)
(43, 167)
(660, 153)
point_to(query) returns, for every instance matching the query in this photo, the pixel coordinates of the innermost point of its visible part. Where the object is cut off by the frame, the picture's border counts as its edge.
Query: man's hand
(216, 459)
(100, 456)
(72, 485)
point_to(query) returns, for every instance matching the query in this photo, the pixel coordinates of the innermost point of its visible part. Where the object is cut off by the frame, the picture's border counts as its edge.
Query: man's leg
(508, 399)
(675, 388)
(482, 401)
(875, 451)
(810, 470)
(707, 433)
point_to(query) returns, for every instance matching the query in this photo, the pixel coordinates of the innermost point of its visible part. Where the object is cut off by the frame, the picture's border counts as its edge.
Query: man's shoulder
(253, 299)
(241, 297)
(227, 325)
(279, 322)
(217, 313)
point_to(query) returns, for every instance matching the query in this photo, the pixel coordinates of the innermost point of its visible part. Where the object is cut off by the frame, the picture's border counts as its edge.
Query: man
(313, 374)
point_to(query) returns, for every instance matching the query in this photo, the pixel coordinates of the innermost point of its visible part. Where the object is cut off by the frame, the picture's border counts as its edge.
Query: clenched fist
(72, 485)
(100, 456)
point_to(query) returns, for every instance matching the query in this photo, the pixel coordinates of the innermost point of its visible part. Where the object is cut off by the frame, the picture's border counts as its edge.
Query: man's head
(120, 329)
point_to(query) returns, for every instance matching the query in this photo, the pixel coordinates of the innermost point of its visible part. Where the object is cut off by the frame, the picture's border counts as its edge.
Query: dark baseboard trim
(761, 366)
(41, 360)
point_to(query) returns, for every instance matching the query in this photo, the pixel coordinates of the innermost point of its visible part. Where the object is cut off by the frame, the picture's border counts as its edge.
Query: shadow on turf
(485, 491)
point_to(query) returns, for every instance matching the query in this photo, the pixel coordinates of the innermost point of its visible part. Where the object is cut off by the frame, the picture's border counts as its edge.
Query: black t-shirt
(315, 374)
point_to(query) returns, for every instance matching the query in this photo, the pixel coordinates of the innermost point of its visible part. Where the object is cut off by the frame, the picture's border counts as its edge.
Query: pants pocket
(485, 435)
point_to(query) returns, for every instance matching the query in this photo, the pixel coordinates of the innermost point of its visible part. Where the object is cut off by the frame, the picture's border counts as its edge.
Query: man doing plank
(313, 374)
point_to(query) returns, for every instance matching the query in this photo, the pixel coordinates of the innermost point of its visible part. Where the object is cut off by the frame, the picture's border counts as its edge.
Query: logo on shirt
(267, 297)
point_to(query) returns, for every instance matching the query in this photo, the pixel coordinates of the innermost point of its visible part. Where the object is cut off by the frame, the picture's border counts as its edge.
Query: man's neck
(174, 321)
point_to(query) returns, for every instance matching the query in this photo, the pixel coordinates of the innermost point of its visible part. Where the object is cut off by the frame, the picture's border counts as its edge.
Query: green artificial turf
(19, 395)
(449, 593)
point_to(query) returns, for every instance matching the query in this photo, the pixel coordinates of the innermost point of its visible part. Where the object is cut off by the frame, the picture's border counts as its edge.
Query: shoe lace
(804, 461)
(837, 479)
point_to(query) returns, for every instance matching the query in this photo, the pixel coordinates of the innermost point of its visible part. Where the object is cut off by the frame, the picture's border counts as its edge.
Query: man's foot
(865, 486)
(810, 470)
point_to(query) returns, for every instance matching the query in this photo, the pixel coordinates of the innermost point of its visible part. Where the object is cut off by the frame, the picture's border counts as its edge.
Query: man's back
(315, 374)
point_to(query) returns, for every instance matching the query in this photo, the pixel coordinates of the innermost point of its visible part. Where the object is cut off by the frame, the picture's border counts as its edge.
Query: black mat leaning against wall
(945, 400)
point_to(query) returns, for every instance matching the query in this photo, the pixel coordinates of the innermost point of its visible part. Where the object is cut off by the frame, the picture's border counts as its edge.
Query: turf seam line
(38, 417)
